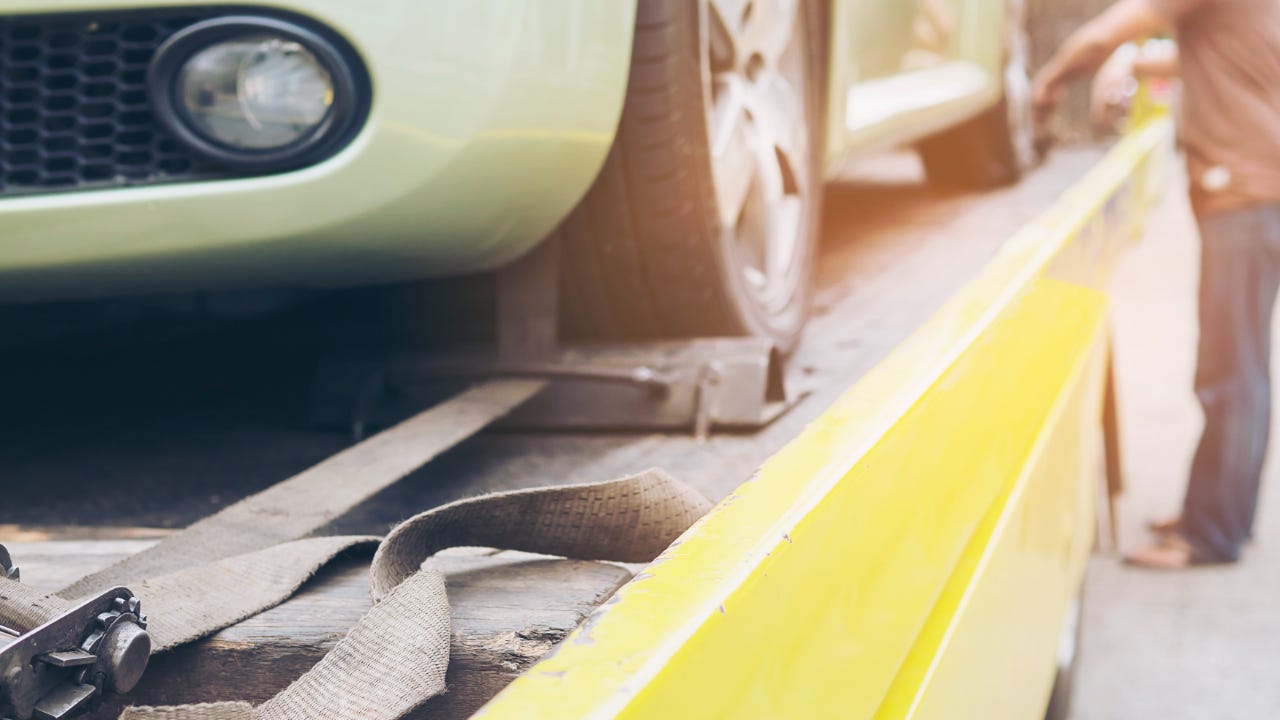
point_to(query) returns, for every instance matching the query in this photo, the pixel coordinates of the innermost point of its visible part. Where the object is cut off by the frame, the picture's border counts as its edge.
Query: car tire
(691, 230)
(1068, 661)
(999, 146)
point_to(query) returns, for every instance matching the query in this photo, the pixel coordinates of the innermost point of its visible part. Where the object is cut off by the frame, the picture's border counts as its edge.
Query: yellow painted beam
(926, 527)
(988, 649)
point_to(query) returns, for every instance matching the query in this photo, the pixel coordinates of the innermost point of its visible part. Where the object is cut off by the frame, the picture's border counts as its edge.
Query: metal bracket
(7, 568)
(55, 670)
(696, 386)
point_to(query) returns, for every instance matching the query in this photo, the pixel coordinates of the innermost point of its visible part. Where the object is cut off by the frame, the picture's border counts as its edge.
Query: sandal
(1170, 552)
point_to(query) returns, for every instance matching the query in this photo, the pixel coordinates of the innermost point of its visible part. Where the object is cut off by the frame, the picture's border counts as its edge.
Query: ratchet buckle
(55, 670)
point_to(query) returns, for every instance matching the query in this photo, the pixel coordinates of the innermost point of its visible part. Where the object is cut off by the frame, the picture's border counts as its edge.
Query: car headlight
(257, 93)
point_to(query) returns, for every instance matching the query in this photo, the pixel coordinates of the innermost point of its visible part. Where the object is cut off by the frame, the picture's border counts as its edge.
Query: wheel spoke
(786, 233)
(735, 157)
(761, 28)
(779, 111)
(758, 135)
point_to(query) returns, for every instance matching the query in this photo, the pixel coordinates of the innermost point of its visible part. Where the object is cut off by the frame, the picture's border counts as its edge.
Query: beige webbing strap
(396, 657)
(627, 520)
(23, 607)
(391, 662)
(191, 603)
(306, 502)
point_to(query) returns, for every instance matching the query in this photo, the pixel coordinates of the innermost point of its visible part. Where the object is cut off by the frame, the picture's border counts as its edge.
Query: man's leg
(1239, 276)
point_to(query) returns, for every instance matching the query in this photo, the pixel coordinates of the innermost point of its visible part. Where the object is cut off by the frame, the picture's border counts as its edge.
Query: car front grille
(74, 108)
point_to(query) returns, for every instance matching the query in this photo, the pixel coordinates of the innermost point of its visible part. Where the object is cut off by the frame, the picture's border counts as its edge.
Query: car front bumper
(489, 121)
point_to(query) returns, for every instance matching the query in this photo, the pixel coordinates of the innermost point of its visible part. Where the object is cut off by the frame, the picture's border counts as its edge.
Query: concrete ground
(1203, 644)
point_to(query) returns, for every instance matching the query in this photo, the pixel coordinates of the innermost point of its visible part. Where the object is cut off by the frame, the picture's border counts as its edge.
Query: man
(1229, 60)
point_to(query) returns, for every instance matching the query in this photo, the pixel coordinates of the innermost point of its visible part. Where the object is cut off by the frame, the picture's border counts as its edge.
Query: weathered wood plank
(509, 610)
(41, 533)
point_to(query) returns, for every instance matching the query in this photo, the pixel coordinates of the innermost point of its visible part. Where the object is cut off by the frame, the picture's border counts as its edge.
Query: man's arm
(1089, 47)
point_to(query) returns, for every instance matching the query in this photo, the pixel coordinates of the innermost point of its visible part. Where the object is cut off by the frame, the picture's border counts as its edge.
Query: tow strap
(254, 554)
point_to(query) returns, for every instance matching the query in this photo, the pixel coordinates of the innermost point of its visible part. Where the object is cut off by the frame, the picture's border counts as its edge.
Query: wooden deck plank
(509, 610)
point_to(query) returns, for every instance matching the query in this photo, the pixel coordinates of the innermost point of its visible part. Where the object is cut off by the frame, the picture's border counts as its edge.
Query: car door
(903, 69)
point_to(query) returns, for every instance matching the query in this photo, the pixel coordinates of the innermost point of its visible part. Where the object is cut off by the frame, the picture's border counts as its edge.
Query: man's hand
(1089, 48)
(1114, 87)
(1046, 95)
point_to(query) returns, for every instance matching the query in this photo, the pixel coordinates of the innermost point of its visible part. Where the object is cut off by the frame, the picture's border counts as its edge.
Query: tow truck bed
(893, 254)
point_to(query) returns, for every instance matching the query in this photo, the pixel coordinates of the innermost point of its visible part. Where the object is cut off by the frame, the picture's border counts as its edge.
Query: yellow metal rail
(912, 554)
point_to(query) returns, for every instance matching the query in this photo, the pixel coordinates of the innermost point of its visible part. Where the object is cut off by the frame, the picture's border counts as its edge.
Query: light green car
(677, 147)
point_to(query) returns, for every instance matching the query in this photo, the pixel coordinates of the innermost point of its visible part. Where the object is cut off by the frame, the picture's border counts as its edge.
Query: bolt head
(123, 656)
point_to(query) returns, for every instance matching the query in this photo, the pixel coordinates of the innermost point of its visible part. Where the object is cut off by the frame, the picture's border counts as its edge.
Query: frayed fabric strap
(256, 553)
(396, 657)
